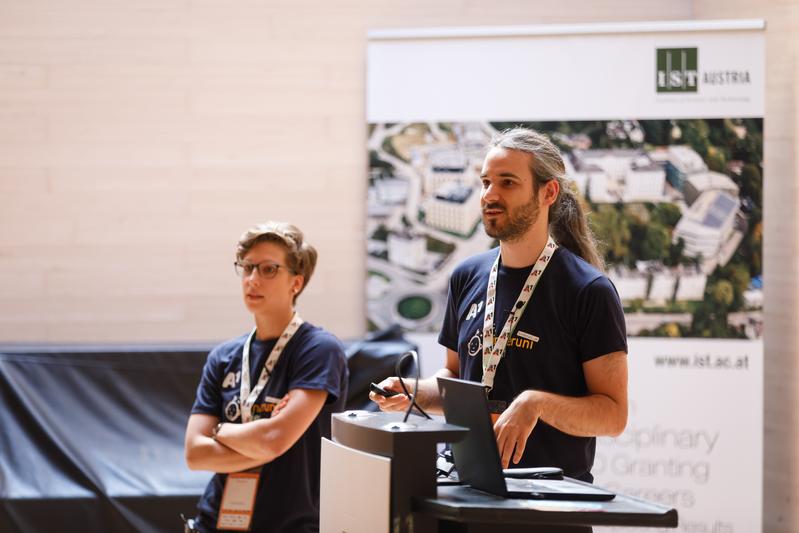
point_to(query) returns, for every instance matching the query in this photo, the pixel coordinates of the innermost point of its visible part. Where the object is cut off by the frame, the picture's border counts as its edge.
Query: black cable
(411, 397)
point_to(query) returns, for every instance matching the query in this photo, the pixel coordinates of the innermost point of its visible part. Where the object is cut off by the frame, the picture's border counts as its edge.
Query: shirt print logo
(233, 409)
(263, 410)
(523, 340)
(231, 379)
(474, 309)
(475, 344)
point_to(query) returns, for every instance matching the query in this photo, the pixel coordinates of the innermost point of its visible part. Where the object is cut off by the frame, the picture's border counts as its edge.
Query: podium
(391, 468)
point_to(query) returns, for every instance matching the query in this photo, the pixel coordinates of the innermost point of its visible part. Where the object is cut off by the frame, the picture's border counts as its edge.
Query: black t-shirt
(574, 315)
(288, 489)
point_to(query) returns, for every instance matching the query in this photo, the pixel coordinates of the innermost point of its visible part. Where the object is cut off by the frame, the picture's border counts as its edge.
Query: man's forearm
(428, 396)
(586, 416)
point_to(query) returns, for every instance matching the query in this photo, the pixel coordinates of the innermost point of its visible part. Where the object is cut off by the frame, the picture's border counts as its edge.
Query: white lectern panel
(355, 490)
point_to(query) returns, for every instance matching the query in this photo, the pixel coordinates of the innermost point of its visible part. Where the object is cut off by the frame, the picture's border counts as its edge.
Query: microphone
(413, 355)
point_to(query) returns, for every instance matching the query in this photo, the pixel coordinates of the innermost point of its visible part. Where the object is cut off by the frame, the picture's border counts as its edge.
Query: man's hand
(398, 402)
(602, 412)
(514, 426)
(427, 396)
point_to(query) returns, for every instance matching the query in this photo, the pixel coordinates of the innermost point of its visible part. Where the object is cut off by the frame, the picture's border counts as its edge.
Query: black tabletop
(460, 503)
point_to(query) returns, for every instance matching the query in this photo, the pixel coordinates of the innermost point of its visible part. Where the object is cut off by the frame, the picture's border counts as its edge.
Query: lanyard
(246, 397)
(493, 353)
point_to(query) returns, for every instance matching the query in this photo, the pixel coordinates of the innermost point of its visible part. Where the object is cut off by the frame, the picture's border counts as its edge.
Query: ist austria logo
(677, 70)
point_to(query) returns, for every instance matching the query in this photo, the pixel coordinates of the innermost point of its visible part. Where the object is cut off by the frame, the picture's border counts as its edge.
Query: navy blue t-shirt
(288, 489)
(574, 315)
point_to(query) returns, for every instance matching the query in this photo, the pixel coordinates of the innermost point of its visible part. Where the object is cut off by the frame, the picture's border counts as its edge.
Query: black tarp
(91, 438)
(373, 359)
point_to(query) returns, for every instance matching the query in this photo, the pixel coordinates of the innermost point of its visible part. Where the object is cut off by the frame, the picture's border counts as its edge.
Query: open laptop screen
(476, 457)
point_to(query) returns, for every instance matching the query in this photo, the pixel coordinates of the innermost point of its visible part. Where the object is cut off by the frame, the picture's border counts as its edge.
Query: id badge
(238, 501)
(496, 408)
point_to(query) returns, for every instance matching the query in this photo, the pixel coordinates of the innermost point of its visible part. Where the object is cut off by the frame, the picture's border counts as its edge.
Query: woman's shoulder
(317, 346)
(318, 337)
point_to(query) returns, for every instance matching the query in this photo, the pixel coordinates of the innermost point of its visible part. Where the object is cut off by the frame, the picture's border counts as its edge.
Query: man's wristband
(216, 430)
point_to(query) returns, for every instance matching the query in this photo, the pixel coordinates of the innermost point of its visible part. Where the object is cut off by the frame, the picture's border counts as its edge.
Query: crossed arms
(240, 447)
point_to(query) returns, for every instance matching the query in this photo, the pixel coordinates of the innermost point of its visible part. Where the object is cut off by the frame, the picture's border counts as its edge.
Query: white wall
(139, 139)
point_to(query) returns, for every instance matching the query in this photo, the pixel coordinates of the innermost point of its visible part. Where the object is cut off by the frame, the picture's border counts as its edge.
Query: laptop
(477, 457)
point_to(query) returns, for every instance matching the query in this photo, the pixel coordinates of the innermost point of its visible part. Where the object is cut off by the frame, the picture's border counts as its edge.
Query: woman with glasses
(267, 466)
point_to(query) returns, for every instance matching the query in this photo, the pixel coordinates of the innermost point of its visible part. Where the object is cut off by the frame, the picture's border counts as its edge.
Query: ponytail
(569, 226)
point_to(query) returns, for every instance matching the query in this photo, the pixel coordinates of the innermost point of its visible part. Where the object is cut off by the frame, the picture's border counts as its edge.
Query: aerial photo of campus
(675, 204)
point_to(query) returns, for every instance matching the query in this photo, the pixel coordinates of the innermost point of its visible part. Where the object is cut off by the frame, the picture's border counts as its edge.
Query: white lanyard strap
(493, 353)
(247, 398)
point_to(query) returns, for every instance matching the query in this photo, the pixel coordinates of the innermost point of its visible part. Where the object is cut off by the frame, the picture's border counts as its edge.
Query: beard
(516, 222)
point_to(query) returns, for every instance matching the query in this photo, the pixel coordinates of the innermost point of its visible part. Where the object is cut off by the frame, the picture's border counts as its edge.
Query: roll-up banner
(661, 126)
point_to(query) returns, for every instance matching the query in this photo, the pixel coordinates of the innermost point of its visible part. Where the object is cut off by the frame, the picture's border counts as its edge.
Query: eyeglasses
(266, 269)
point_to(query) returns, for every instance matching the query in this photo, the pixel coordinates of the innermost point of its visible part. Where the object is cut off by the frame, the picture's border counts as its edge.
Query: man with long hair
(535, 320)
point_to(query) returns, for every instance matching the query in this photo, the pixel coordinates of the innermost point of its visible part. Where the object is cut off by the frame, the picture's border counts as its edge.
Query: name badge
(238, 501)
(525, 335)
